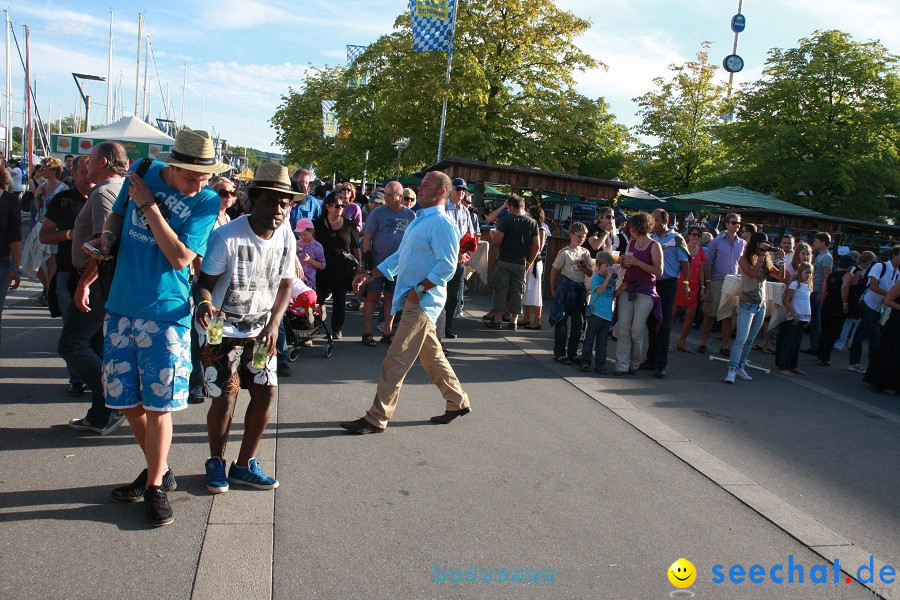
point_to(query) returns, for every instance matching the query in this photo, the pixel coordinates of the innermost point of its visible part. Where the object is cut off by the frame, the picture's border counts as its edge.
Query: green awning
(740, 198)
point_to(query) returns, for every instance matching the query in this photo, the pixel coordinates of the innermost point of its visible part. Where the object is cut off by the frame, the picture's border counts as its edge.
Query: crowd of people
(224, 261)
(172, 284)
(645, 274)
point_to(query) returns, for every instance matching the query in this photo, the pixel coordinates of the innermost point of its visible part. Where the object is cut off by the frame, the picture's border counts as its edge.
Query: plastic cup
(615, 256)
(260, 355)
(215, 330)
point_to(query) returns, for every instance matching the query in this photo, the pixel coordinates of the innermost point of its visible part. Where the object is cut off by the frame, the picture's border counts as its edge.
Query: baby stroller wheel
(292, 355)
(328, 350)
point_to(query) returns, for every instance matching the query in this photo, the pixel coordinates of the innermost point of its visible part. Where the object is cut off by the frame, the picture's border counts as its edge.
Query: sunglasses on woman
(336, 205)
(225, 193)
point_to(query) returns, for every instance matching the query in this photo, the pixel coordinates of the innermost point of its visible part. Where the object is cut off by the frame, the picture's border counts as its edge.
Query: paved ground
(597, 483)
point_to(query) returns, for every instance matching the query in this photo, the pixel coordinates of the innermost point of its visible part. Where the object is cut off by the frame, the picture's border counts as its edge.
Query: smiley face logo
(682, 573)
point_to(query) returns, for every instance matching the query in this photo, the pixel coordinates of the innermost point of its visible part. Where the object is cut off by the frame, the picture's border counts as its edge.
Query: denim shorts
(145, 363)
(381, 284)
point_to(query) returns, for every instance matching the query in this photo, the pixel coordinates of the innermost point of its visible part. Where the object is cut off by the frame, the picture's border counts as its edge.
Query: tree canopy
(824, 123)
(680, 116)
(511, 98)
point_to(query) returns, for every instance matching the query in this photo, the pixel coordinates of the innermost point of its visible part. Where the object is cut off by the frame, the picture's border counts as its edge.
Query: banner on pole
(359, 78)
(432, 24)
(329, 119)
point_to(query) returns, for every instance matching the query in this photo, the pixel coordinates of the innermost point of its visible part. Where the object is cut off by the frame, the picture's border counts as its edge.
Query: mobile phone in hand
(94, 250)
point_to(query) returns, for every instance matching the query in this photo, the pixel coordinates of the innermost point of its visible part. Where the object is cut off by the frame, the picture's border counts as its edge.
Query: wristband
(68, 234)
(204, 302)
(17, 271)
(110, 233)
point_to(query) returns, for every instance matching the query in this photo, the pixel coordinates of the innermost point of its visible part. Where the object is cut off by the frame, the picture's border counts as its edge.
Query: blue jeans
(869, 327)
(454, 294)
(5, 267)
(595, 339)
(64, 299)
(81, 346)
(561, 332)
(749, 320)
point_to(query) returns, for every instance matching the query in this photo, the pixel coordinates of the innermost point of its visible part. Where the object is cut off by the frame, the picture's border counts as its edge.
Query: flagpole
(447, 82)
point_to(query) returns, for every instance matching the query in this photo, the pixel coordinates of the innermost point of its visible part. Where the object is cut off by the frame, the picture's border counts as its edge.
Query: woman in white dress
(533, 302)
(37, 258)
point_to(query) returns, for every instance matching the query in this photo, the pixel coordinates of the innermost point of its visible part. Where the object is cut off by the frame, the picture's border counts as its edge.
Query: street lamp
(87, 99)
(400, 145)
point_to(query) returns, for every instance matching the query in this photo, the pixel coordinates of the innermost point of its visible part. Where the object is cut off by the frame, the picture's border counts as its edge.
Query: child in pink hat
(309, 251)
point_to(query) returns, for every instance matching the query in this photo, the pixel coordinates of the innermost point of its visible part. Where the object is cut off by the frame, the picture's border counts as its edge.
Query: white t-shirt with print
(250, 270)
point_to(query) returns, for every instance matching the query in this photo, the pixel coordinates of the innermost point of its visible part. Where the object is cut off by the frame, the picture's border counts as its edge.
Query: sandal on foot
(387, 339)
(684, 349)
(369, 340)
(701, 349)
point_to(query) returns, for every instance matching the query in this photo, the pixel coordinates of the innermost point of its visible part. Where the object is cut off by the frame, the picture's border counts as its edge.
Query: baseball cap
(459, 182)
(303, 225)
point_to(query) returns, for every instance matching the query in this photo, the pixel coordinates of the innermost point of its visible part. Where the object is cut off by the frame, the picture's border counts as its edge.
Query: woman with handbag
(339, 239)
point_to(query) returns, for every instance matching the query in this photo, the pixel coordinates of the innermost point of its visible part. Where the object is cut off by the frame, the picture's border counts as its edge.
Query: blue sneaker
(216, 481)
(251, 475)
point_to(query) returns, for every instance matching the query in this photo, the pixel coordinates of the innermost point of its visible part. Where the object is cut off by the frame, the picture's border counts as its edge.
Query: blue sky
(242, 55)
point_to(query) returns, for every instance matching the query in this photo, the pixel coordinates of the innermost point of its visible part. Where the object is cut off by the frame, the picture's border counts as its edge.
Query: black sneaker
(284, 370)
(134, 491)
(76, 390)
(159, 511)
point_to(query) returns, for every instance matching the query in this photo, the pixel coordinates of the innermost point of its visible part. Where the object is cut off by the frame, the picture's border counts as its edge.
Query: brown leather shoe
(450, 415)
(361, 427)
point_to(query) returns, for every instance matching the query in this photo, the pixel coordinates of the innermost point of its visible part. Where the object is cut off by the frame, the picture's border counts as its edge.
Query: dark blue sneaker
(251, 475)
(216, 481)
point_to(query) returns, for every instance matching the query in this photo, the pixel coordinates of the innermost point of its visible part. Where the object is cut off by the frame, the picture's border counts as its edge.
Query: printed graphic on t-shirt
(254, 284)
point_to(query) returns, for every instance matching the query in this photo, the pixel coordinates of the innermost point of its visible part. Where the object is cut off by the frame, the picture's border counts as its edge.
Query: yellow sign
(435, 9)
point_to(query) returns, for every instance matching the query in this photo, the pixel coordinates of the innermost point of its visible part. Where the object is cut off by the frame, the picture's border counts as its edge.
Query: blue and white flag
(329, 119)
(359, 78)
(432, 24)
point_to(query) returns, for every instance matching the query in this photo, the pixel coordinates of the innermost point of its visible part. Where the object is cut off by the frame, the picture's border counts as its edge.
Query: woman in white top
(37, 258)
(533, 301)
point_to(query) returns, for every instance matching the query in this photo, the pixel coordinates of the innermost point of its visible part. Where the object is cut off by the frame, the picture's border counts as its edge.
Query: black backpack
(857, 290)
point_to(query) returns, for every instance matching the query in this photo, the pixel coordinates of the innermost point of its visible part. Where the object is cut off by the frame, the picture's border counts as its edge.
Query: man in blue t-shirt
(305, 205)
(162, 222)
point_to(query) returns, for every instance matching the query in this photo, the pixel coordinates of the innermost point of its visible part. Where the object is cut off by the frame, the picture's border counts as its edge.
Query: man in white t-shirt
(881, 277)
(246, 277)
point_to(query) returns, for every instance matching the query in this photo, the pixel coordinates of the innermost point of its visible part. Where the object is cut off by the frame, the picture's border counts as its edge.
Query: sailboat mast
(146, 63)
(29, 145)
(137, 71)
(109, 83)
(8, 113)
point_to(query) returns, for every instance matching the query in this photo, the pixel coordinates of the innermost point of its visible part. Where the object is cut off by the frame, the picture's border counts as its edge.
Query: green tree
(298, 121)
(822, 126)
(511, 98)
(680, 117)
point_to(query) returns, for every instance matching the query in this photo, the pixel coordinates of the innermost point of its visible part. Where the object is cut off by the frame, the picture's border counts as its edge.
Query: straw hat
(193, 151)
(273, 176)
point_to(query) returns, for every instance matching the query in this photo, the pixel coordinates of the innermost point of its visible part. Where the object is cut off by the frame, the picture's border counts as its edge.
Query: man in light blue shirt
(421, 267)
(676, 261)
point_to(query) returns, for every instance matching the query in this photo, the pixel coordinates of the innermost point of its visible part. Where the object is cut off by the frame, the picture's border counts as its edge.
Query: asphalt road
(596, 483)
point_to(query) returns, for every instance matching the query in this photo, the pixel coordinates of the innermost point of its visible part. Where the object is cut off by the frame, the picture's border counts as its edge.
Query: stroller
(303, 322)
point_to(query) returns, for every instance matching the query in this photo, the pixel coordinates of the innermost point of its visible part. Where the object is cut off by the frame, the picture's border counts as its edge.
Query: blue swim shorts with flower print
(145, 363)
(228, 367)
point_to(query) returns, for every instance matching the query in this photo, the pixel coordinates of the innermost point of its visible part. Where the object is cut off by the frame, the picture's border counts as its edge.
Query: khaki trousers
(415, 337)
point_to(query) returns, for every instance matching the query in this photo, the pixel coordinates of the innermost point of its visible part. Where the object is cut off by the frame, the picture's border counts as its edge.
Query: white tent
(139, 138)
